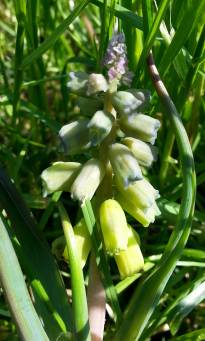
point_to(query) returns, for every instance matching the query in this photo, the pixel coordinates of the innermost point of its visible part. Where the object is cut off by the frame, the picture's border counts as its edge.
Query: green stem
(12, 280)
(148, 294)
(79, 301)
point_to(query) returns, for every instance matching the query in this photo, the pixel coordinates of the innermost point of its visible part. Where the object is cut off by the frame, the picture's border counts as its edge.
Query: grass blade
(79, 302)
(182, 34)
(123, 13)
(185, 306)
(197, 335)
(18, 75)
(36, 257)
(50, 41)
(12, 280)
(151, 37)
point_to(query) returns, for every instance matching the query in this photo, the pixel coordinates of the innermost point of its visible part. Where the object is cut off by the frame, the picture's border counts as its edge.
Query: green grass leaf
(186, 26)
(12, 280)
(35, 255)
(50, 41)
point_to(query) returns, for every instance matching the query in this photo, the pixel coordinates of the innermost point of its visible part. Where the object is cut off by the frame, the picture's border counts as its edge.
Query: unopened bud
(130, 261)
(59, 176)
(140, 126)
(125, 102)
(74, 137)
(99, 126)
(124, 164)
(78, 81)
(144, 216)
(88, 180)
(96, 83)
(144, 153)
(139, 192)
(114, 226)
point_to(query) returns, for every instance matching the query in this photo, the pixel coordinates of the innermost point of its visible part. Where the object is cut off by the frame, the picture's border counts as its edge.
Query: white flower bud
(140, 126)
(96, 83)
(144, 153)
(125, 102)
(124, 164)
(74, 136)
(99, 126)
(88, 180)
(59, 176)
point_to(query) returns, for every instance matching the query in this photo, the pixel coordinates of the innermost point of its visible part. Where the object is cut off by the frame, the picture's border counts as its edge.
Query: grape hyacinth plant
(113, 128)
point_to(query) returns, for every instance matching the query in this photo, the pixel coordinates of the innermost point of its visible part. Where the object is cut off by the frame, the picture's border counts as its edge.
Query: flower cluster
(116, 61)
(113, 126)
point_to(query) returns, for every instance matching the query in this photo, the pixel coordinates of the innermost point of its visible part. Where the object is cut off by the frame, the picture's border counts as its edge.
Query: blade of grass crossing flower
(12, 280)
(149, 292)
(101, 259)
(151, 36)
(50, 41)
(79, 302)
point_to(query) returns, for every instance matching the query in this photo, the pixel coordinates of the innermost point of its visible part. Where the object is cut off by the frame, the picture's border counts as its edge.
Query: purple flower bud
(116, 62)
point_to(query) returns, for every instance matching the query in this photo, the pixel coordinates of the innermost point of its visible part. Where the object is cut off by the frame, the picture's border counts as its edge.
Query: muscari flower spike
(104, 111)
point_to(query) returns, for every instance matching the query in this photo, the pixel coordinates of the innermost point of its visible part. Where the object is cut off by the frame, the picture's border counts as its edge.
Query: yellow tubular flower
(131, 260)
(144, 216)
(138, 192)
(114, 226)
